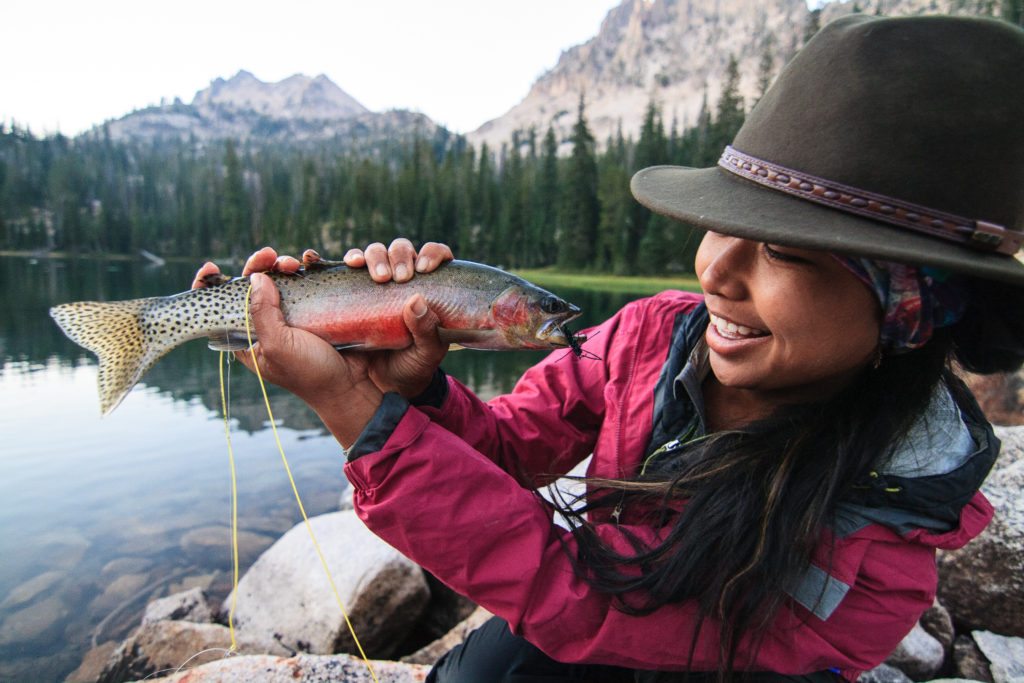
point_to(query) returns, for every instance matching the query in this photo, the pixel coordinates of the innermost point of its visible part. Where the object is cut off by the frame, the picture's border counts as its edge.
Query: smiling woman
(774, 463)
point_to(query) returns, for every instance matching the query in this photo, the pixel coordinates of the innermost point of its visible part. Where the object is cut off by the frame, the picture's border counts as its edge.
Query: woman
(774, 463)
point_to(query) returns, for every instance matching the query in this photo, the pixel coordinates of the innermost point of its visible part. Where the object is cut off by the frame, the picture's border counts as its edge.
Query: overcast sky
(69, 64)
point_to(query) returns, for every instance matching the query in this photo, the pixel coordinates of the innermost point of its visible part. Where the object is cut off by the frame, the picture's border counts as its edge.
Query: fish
(479, 306)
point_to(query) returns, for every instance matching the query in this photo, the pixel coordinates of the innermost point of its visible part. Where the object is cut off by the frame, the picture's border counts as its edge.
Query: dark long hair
(757, 501)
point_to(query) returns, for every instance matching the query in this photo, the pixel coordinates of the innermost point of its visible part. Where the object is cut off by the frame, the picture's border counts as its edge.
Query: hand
(396, 262)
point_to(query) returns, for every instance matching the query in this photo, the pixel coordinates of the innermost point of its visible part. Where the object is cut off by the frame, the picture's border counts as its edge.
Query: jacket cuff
(435, 394)
(378, 430)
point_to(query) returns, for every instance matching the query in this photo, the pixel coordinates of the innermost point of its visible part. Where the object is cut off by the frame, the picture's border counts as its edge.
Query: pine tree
(234, 203)
(813, 24)
(765, 67)
(576, 245)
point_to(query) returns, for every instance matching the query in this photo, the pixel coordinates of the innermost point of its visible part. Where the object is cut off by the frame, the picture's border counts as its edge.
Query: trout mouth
(552, 332)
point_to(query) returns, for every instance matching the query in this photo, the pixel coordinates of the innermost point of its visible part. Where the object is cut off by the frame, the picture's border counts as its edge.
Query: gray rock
(883, 673)
(166, 646)
(302, 668)
(190, 605)
(31, 589)
(939, 624)
(918, 655)
(119, 591)
(982, 584)
(432, 652)
(92, 664)
(1004, 654)
(968, 660)
(285, 595)
(201, 542)
(34, 622)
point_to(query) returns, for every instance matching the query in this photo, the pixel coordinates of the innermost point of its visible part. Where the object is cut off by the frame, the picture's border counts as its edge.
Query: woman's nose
(723, 265)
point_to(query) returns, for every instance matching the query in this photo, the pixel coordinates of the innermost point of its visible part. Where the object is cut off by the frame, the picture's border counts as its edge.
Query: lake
(100, 516)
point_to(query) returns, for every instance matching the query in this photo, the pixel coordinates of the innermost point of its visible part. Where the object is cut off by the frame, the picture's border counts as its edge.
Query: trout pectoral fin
(228, 340)
(349, 347)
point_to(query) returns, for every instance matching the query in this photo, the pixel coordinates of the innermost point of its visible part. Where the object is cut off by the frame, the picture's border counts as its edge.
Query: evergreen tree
(234, 203)
(765, 67)
(730, 112)
(813, 24)
(578, 237)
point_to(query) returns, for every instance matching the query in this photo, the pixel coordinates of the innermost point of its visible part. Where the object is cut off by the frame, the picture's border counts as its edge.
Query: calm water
(100, 516)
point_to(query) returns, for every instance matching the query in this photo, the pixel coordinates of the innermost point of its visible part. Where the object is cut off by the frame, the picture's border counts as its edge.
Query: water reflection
(101, 515)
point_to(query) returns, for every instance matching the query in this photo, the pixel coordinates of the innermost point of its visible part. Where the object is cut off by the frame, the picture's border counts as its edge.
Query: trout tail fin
(115, 332)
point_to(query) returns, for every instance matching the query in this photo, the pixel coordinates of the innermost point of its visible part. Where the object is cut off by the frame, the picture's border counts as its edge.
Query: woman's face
(789, 324)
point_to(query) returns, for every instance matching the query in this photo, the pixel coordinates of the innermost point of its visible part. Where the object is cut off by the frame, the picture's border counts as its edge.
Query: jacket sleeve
(456, 513)
(549, 422)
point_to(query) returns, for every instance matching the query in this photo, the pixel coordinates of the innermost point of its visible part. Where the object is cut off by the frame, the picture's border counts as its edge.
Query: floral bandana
(915, 300)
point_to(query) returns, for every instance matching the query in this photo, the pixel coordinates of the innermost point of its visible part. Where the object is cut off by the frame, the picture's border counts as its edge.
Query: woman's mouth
(730, 330)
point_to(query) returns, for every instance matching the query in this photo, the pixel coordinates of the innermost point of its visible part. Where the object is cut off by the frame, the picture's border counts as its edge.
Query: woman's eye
(776, 255)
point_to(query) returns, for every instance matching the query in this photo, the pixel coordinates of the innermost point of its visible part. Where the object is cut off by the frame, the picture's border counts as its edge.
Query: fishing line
(234, 502)
(295, 490)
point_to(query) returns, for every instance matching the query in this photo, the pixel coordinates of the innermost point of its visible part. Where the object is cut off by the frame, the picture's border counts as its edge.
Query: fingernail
(381, 270)
(401, 271)
(419, 307)
(422, 263)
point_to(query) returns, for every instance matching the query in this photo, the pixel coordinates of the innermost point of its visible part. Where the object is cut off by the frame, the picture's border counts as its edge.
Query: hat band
(973, 233)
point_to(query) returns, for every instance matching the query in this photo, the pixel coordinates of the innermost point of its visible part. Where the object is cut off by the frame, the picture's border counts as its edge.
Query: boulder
(939, 624)
(1005, 656)
(190, 605)
(432, 652)
(302, 668)
(883, 673)
(1000, 396)
(969, 662)
(33, 588)
(285, 595)
(166, 646)
(918, 655)
(982, 584)
(35, 623)
(92, 664)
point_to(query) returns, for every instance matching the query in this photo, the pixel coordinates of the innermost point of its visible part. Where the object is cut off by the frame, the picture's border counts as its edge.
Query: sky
(66, 65)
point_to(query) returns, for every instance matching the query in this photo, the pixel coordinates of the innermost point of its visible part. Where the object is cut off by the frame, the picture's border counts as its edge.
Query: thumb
(265, 310)
(421, 321)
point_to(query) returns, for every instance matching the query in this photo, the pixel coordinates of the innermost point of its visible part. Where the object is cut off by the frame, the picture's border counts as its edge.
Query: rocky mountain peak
(295, 97)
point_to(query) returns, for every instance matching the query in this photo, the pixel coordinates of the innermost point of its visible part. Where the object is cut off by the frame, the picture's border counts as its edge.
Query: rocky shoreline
(289, 627)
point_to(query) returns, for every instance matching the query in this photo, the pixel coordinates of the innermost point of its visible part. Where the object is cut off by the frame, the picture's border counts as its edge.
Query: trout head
(532, 318)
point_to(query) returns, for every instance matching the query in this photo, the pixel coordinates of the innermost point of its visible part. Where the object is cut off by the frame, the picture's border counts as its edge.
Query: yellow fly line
(295, 490)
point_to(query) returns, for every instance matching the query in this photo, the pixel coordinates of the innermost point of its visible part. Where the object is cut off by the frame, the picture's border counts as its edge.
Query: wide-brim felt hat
(898, 139)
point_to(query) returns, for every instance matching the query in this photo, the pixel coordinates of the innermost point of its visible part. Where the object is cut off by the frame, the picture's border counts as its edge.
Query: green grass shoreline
(546, 277)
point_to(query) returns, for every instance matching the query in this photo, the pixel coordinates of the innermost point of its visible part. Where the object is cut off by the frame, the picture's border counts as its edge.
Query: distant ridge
(676, 52)
(296, 110)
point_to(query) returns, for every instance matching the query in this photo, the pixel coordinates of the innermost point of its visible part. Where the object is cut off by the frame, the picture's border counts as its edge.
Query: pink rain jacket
(453, 489)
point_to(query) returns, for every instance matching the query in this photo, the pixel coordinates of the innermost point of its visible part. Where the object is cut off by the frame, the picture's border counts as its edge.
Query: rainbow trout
(480, 307)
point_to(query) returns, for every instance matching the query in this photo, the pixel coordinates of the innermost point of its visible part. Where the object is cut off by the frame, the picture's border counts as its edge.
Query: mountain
(298, 109)
(675, 52)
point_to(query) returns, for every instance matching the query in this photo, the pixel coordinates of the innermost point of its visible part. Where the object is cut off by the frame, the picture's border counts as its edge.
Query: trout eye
(552, 304)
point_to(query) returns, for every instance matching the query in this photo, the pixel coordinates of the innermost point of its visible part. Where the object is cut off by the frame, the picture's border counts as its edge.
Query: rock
(34, 622)
(1005, 656)
(302, 668)
(118, 591)
(432, 652)
(286, 595)
(202, 542)
(203, 581)
(939, 625)
(29, 590)
(92, 664)
(189, 605)
(126, 565)
(1000, 396)
(883, 673)
(919, 655)
(968, 660)
(168, 645)
(982, 584)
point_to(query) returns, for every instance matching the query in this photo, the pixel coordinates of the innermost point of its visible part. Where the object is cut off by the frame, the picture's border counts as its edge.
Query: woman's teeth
(731, 330)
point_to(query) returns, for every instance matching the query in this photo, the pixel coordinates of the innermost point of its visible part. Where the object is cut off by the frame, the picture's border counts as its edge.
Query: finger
(287, 264)
(401, 254)
(422, 323)
(310, 257)
(432, 255)
(208, 268)
(265, 309)
(260, 262)
(354, 258)
(377, 261)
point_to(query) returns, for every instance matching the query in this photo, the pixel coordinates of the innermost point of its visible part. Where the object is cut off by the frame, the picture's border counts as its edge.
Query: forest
(523, 205)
